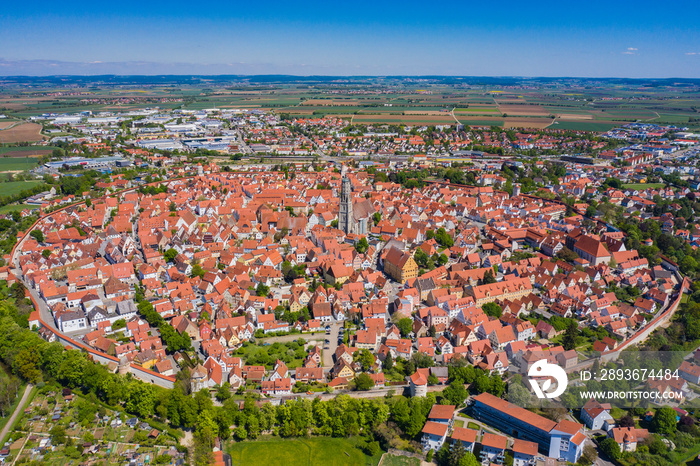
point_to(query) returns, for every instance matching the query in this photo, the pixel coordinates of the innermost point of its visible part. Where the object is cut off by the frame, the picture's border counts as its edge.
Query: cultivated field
(575, 116)
(26, 132)
(537, 123)
(577, 105)
(523, 110)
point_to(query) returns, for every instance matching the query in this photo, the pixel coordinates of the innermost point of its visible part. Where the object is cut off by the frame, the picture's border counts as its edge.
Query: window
(564, 445)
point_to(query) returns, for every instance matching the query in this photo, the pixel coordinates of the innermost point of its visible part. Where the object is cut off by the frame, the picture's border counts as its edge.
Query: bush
(429, 456)
(372, 448)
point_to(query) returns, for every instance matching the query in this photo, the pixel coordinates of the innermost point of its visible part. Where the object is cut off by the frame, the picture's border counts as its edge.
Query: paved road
(332, 346)
(18, 410)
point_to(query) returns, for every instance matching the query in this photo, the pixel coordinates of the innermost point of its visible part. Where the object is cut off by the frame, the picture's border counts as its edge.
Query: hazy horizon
(621, 39)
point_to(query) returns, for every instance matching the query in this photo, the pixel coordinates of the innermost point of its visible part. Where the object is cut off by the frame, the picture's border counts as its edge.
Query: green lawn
(474, 426)
(10, 188)
(13, 207)
(393, 460)
(642, 185)
(314, 451)
(459, 423)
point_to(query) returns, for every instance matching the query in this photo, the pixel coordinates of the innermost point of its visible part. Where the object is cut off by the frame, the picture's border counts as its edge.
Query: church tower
(345, 221)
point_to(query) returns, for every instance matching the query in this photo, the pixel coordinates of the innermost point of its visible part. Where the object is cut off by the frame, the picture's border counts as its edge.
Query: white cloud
(692, 53)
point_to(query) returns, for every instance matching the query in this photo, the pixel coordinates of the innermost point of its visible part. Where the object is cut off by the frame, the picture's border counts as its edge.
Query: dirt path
(452, 114)
(187, 439)
(18, 410)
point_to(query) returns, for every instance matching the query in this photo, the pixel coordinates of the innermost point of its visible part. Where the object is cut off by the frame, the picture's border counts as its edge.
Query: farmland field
(480, 121)
(584, 125)
(316, 451)
(577, 105)
(523, 110)
(538, 123)
(25, 132)
(6, 124)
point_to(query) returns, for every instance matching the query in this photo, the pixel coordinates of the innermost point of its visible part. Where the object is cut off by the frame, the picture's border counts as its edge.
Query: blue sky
(546, 38)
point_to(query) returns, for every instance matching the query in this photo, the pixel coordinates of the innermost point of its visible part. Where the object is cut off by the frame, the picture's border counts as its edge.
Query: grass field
(643, 185)
(26, 151)
(393, 460)
(316, 451)
(17, 164)
(13, 207)
(583, 125)
(9, 188)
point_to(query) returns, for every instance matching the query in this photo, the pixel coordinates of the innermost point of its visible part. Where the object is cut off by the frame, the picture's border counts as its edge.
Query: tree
(569, 339)
(362, 246)
(492, 309)
(468, 460)
(664, 421)
(567, 254)
(443, 238)
(482, 384)
(610, 448)
(363, 382)
(388, 362)
(262, 290)
(197, 271)
(488, 277)
(173, 207)
(365, 358)
(37, 235)
(170, 255)
(626, 421)
(590, 453)
(223, 393)
(58, 435)
(18, 291)
(455, 393)
(46, 253)
(518, 395)
(405, 326)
